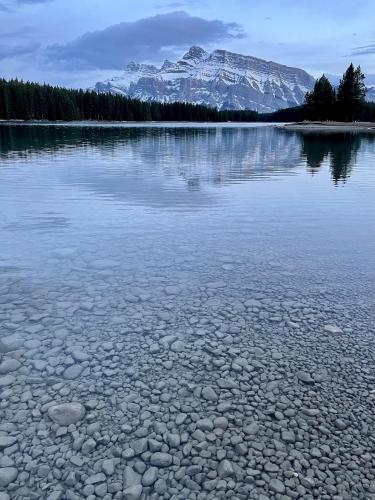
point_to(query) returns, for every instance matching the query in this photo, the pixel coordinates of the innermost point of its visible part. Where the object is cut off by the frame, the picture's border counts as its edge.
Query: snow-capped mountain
(370, 95)
(220, 79)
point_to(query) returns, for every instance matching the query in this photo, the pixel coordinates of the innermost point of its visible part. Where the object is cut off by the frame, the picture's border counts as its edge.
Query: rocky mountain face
(220, 79)
(370, 95)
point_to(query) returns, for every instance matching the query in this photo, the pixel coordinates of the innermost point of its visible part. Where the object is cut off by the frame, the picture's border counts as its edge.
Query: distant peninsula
(330, 126)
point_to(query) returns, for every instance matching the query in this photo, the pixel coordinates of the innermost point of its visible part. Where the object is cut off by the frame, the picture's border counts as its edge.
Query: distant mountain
(220, 79)
(370, 96)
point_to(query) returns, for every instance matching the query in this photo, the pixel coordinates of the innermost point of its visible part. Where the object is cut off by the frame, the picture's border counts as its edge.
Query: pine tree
(321, 101)
(351, 94)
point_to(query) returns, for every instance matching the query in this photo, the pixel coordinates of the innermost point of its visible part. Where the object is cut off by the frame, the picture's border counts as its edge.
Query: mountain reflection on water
(229, 154)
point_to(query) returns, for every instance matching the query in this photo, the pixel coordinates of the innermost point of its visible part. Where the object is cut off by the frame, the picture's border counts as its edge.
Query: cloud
(364, 50)
(151, 38)
(178, 4)
(21, 32)
(10, 5)
(30, 2)
(7, 51)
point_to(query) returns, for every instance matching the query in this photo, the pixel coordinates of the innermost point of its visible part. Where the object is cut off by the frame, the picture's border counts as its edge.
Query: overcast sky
(77, 42)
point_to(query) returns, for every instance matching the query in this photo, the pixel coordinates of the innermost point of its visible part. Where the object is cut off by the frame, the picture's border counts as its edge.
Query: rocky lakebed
(177, 393)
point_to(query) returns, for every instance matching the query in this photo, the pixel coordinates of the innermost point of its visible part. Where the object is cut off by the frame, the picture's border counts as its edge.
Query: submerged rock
(160, 459)
(6, 441)
(67, 413)
(7, 475)
(209, 394)
(9, 365)
(73, 372)
(333, 329)
(305, 377)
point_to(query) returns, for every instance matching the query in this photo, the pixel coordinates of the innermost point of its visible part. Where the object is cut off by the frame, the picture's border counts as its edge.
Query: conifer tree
(351, 94)
(320, 102)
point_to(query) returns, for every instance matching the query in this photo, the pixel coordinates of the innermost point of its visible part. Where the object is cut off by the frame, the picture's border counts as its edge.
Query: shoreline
(135, 124)
(329, 126)
(305, 126)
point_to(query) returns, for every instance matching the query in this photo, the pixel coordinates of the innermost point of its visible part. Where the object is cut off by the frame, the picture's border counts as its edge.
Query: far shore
(330, 126)
(305, 126)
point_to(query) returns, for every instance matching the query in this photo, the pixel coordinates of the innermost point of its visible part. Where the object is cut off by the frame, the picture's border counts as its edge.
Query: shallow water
(241, 244)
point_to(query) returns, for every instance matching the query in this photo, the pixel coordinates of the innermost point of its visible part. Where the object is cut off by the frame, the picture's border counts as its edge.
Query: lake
(186, 312)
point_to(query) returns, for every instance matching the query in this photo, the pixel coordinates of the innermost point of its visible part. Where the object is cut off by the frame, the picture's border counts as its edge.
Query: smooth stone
(78, 354)
(6, 441)
(277, 486)
(139, 446)
(131, 478)
(288, 436)
(160, 486)
(173, 440)
(180, 419)
(209, 394)
(160, 459)
(9, 365)
(96, 478)
(305, 377)
(225, 469)
(10, 343)
(6, 380)
(177, 346)
(39, 364)
(307, 482)
(32, 344)
(154, 348)
(172, 290)
(276, 355)
(92, 428)
(251, 429)
(73, 372)
(150, 476)
(76, 460)
(205, 424)
(340, 424)
(221, 423)
(88, 446)
(66, 413)
(332, 329)
(7, 475)
(108, 467)
(253, 303)
(133, 492)
(270, 467)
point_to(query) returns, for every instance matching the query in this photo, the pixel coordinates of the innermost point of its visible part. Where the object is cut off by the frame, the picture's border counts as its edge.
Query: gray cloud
(151, 38)
(7, 51)
(10, 5)
(23, 32)
(364, 50)
(29, 1)
(179, 4)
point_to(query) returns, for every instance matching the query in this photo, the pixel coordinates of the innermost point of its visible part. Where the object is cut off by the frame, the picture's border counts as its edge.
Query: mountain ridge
(220, 78)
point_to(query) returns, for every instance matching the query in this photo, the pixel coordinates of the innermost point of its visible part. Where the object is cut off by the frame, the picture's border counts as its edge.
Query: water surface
(140, 266)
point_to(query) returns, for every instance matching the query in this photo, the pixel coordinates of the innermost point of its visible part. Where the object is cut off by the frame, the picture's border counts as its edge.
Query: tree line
(347, 103)
(31, 101)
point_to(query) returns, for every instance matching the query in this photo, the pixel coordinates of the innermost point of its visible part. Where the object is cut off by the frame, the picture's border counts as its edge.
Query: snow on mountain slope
(221, 79)
(370, 95)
